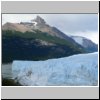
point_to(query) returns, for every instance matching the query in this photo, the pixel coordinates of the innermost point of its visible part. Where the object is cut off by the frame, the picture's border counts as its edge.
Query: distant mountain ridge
(86, 43)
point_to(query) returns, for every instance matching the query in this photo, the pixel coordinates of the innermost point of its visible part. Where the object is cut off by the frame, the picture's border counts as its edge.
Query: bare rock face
(15, 27)
(41, 25)
(39, 20)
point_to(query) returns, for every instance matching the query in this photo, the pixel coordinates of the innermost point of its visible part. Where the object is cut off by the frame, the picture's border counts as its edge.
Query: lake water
(6, 70)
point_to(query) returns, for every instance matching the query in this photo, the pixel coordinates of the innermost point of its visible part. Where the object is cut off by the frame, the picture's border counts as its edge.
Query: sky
(85, 25)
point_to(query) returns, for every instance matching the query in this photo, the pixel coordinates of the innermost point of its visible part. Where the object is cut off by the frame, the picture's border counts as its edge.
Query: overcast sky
(85, 25)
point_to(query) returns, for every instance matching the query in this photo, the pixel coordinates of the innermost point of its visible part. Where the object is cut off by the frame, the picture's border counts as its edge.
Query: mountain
(36, 24)
(86, 43)
(76, 70)
(39, 24)
(36, 40)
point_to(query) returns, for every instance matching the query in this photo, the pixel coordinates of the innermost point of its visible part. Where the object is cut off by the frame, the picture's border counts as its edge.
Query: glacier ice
(76, 70)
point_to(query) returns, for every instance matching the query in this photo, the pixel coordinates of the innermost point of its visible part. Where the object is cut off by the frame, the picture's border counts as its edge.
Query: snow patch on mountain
(76, 70)
(79, 40)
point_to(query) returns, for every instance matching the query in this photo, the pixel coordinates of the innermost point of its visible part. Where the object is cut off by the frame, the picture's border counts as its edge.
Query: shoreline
(9, 82)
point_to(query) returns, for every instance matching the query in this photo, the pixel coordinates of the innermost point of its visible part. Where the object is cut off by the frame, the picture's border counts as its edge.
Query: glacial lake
(6, 70)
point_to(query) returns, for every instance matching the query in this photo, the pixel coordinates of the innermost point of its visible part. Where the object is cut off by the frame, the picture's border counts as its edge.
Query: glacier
(75, 70)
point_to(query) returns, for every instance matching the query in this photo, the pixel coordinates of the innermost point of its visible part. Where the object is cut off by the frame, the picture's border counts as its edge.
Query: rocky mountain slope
(86, 43)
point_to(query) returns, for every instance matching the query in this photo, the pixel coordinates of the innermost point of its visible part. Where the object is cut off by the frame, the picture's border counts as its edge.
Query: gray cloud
(73, 22)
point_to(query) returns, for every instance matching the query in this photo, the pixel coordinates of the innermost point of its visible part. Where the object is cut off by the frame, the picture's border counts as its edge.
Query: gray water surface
(6, 70)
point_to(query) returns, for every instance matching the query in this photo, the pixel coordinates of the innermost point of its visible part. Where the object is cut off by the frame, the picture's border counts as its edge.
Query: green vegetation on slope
(42, 36)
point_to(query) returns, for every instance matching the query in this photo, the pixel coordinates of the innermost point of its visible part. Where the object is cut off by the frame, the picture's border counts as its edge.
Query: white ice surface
(76, 70)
